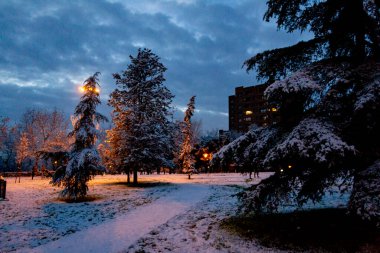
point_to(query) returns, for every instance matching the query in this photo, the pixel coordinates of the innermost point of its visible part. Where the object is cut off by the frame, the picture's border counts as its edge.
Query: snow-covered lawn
(171, 213)
(34, 215)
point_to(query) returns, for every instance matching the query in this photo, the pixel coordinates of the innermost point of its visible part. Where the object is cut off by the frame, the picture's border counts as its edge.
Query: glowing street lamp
(82, 89)
(206, 156)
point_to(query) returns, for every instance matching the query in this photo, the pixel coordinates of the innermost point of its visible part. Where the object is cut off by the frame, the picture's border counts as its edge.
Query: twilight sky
(48, 48)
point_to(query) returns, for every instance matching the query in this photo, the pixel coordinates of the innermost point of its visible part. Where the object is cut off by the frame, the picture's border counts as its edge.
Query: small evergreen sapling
(84, 161)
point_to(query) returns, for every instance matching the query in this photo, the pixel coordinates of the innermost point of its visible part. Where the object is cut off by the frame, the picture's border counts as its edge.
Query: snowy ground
(176, 215)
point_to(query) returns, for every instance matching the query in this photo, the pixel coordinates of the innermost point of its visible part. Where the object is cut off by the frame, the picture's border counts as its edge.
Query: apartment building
(248, 107)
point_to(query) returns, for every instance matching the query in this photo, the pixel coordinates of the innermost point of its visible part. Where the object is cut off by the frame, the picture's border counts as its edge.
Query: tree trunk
(134, 176)
(359, 51)
(18, 174)
(128, 176)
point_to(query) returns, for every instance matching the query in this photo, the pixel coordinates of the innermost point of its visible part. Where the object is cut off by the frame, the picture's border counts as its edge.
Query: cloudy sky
(48, 48)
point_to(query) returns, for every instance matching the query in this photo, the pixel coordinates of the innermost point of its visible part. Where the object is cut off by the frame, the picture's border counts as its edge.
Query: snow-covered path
(118, 234)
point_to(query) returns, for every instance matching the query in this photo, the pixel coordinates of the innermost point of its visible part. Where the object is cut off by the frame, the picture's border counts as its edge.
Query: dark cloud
(48, 48)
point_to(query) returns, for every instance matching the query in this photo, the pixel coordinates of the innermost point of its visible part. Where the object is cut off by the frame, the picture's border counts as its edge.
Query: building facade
(248, 107)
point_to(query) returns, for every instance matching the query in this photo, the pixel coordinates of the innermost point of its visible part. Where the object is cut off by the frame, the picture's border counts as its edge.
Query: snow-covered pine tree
(186, 157)
(327, 92)
(142, 108)
(84, 161)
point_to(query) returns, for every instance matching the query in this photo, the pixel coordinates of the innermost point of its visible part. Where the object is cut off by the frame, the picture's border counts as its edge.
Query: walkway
(118, 234)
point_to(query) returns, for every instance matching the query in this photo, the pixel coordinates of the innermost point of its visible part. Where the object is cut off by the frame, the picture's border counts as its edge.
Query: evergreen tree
(141, 137)
(186, 156)
(329, 102)
(84, 161)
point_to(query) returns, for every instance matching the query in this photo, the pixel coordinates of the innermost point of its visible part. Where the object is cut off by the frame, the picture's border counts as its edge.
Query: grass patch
(321, 230)
(141, 184)
(88, 198)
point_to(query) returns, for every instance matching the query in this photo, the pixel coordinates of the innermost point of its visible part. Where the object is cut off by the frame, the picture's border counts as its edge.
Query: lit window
(274, 109)
(248, 112)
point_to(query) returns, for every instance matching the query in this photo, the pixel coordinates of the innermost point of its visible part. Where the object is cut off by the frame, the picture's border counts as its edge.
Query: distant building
(248, 107)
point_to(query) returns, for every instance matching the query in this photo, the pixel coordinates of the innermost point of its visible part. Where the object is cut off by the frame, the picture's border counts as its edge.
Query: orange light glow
(290, 166)
(205, 155)
(82, 89)
(274, 109)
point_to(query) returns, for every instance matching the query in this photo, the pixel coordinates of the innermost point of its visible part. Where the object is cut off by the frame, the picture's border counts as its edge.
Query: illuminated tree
(186, 156)
(84, 161)
(46, 132)
(22, 152)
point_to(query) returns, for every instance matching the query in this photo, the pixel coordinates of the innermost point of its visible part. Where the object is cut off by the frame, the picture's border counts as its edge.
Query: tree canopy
(346, 30)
